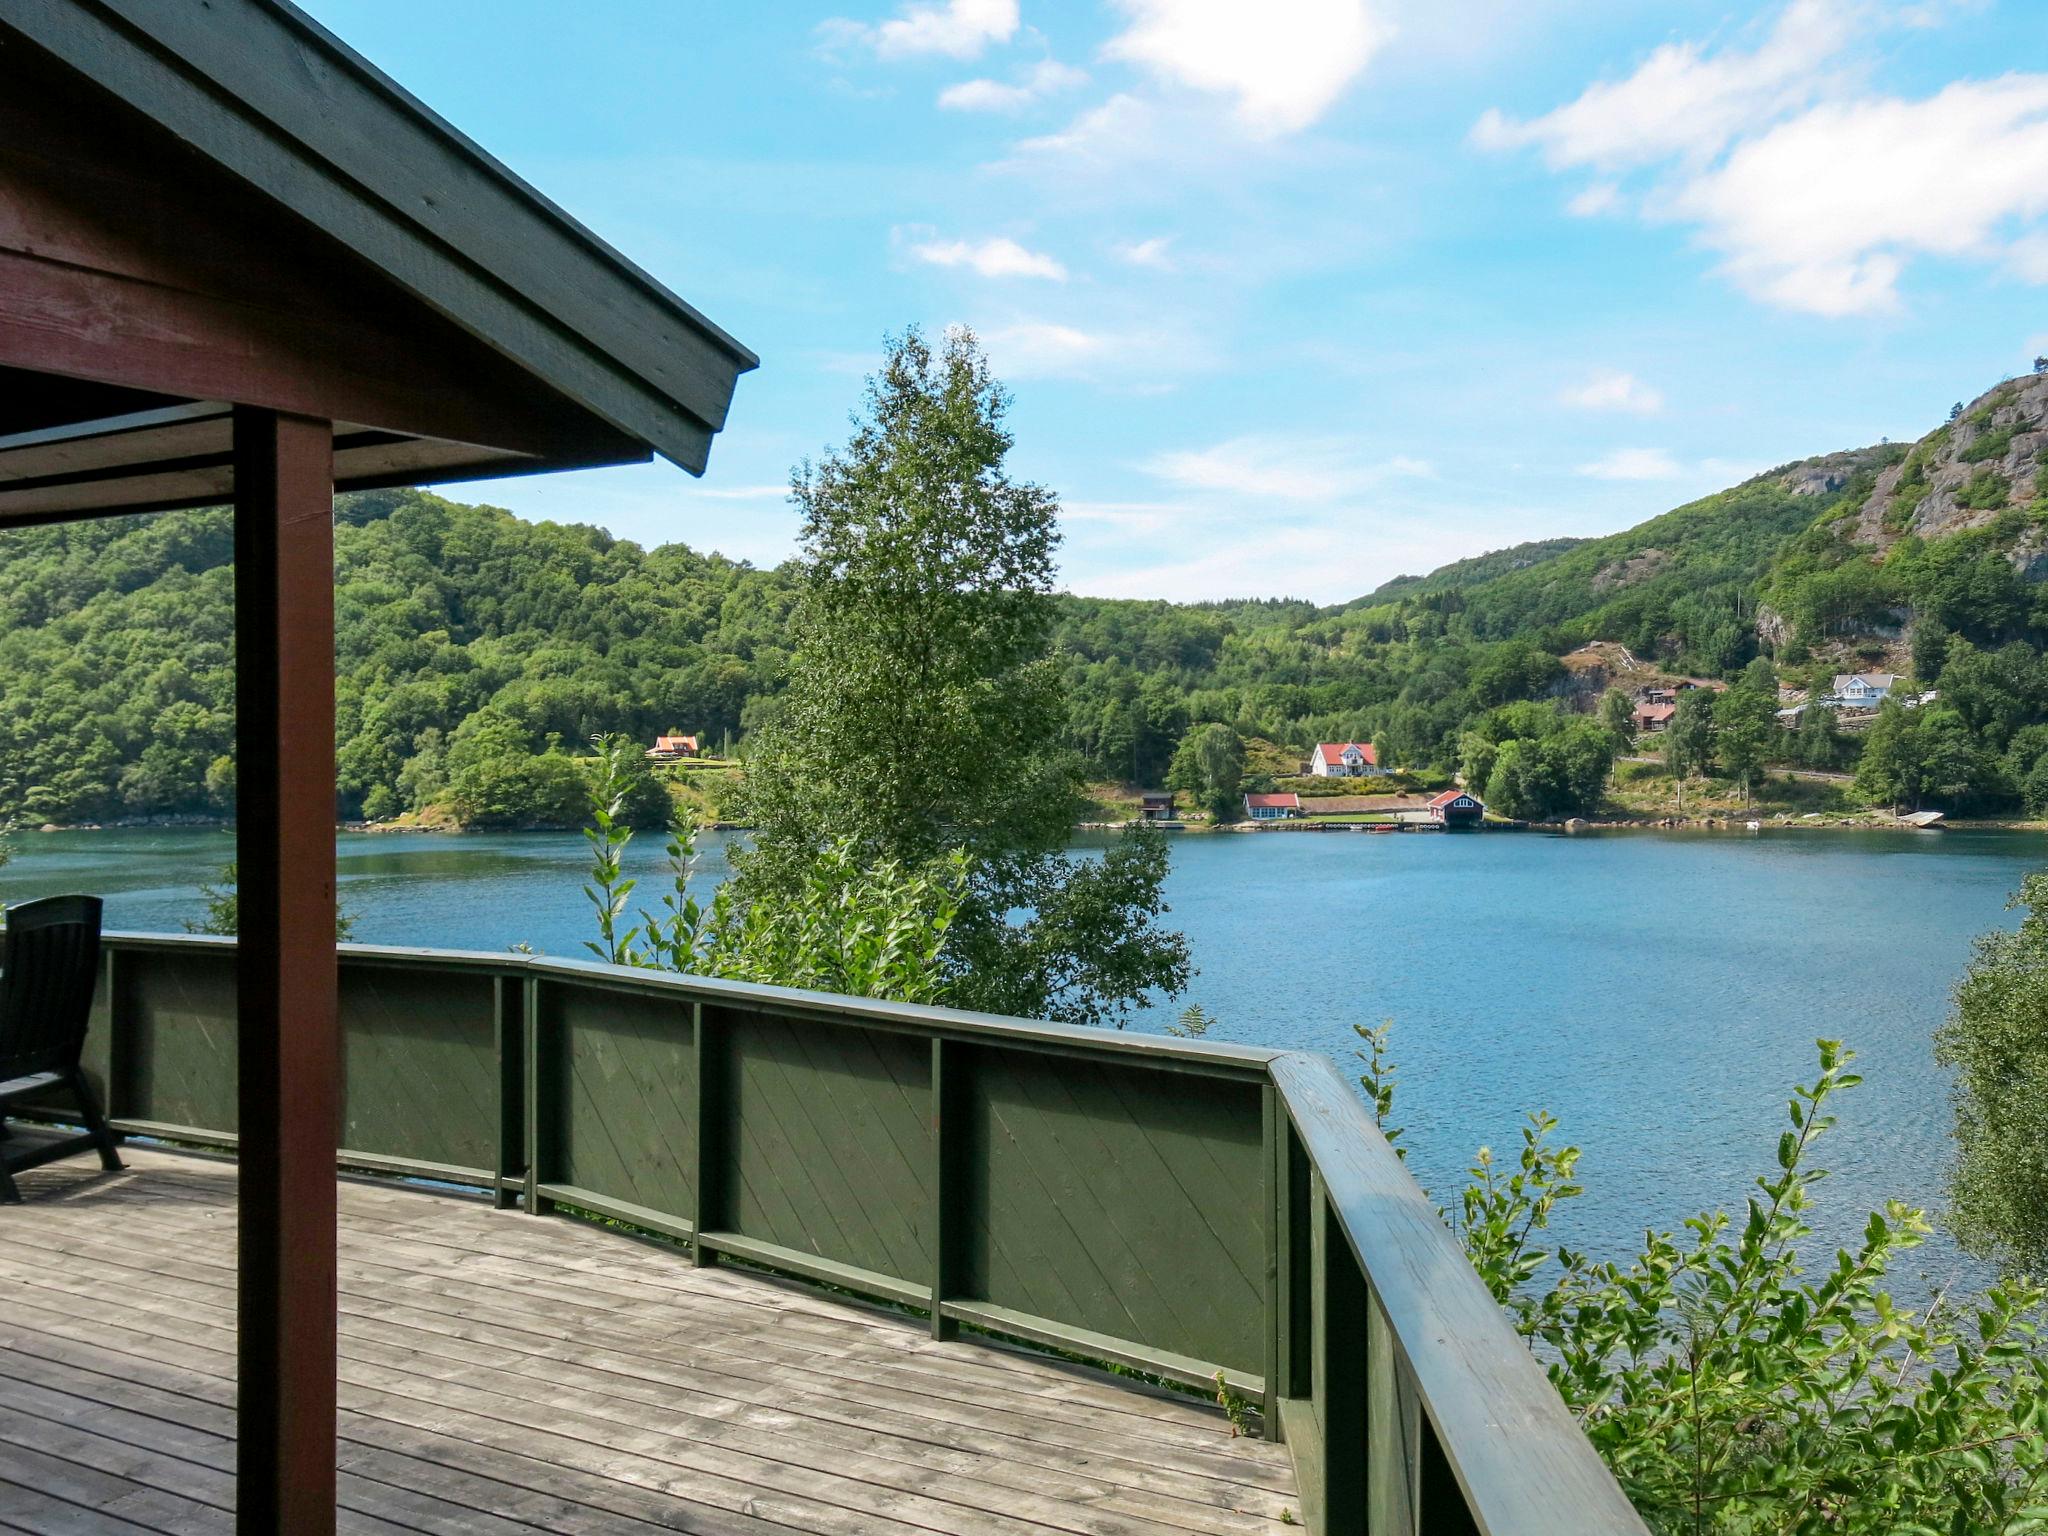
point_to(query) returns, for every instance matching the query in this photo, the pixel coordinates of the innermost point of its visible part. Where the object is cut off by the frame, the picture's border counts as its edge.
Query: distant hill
(1684, 585)
(458, 623)
(1469, 572)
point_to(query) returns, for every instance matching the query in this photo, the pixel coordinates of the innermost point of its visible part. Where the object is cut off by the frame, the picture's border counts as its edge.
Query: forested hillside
(458, 629)
(469, 638)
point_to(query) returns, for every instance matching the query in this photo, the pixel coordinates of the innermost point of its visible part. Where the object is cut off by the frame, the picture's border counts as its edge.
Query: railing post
(1341, 1306)
(948, 1063)
(536, 1131)
(508, 1034)
(1295, 1226)
(1393, 1445)
(1274, 1179)
(112, 1103)
(1443, 1510)
(707, 1139)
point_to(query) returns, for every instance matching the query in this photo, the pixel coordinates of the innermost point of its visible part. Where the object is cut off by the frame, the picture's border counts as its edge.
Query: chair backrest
(53, 963)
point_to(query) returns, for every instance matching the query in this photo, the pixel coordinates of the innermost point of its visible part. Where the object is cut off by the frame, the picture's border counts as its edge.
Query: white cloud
(1041, 348)
(999, 257)
(957, 29)
(1281, 468)
(1102, 132)
(1634, 464)
(1612, 391)
(1822, 212)
(1286, 65)
(2028, 258)
(1326, 562)
(742, 492)
(1681, 101)
(1044, 79)
(1124, 519)
(1601, 197)
(1153, 253)
(1816, 193)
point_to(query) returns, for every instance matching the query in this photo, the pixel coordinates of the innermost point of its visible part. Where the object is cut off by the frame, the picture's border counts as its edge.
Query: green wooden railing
(1176, 1206)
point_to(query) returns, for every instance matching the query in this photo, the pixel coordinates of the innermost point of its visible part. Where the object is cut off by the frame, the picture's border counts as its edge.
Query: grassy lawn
(1646, 789)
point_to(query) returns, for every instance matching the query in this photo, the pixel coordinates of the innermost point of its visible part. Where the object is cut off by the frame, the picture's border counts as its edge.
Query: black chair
(53, 962)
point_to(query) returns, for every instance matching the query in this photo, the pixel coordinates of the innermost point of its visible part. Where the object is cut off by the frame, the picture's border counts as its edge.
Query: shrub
(1987, 491)
(1732, 1392)
(856, 927)
(1996, 1040)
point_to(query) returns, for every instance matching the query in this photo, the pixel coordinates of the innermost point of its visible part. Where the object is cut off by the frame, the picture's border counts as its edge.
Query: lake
(1659, 992)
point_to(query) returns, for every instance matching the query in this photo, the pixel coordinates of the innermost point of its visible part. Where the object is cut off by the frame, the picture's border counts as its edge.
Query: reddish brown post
(289, 1052)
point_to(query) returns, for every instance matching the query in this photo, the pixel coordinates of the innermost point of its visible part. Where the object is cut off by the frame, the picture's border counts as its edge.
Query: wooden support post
(708, 1135)
(539, 1136)
(508, 1033)
(288, 1047)
(949, 1063)
(1272, 1137)
(1340, 1375)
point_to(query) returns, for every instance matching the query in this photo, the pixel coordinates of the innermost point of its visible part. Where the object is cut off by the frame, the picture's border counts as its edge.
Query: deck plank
(501, 1374)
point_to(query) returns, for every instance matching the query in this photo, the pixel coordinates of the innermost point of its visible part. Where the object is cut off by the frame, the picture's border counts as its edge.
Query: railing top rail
(1523, 1463)
(1251, 1060)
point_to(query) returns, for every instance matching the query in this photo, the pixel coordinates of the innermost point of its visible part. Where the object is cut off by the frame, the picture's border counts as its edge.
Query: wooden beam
(288, 1038)
(128, 260)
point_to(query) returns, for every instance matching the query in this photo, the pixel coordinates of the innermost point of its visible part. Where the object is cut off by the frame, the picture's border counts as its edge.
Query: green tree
(1930, 649)
(496, 779)
(1737, 1391)
(1618, 715)
(1578, 756)
(1689, 738)
(1996, 1042)
(224, 908)
(856, 927)
(1745, 733)
(1209, 764)
(1819, 742)
(1521, 784)
(1476, 754)
(1891, 769)
(923, 689)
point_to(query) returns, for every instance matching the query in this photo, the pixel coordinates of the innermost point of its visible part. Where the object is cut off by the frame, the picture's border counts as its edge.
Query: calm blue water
(1658, 992)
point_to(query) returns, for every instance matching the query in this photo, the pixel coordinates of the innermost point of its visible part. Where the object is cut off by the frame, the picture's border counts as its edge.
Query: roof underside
(160, 452)
(588, 359)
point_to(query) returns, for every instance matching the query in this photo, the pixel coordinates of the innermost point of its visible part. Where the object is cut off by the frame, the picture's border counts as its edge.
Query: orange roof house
(1344, 759)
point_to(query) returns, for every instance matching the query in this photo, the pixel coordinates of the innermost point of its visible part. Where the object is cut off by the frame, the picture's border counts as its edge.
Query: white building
(1345, 760)
(1862, 690)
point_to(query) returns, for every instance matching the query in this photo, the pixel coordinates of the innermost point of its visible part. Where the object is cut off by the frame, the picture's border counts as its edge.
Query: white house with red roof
(1345, 760)
(669, 748)
(1457, 808)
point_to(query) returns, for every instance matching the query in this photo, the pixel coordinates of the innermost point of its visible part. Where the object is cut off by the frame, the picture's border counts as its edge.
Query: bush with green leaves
(1734, 1391)
(1209, 765)
(1996, 1042)
(224, 907)
(857, 927)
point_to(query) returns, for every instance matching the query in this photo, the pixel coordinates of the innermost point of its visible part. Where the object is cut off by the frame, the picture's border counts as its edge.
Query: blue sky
(1298, 296)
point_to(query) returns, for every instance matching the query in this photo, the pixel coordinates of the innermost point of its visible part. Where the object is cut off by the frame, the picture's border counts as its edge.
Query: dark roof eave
(262, 90)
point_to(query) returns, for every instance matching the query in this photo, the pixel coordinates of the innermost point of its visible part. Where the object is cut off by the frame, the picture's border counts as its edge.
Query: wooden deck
(505, 1374)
